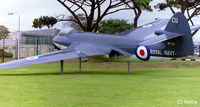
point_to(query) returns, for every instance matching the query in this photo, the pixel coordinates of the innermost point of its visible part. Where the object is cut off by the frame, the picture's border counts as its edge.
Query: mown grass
(151, 84)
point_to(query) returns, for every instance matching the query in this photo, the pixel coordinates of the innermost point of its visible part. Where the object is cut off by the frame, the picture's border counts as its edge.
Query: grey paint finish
(143, 43)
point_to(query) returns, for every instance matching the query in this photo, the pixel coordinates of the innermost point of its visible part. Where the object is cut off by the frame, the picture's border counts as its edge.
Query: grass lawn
(151, 84)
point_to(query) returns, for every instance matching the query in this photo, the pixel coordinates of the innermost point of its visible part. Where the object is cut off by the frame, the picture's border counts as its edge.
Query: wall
(28, 50)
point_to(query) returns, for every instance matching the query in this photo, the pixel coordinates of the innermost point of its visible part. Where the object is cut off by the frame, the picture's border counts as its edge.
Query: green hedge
(7, 54)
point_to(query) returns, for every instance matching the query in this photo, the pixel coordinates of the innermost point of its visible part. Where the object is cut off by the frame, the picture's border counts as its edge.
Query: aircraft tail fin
(176, 36)
(179, 24)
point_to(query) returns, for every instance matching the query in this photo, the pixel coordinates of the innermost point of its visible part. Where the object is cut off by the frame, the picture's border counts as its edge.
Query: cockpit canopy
(66, 32)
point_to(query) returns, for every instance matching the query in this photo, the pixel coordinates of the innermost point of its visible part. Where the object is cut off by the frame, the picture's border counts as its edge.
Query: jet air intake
(115, 54)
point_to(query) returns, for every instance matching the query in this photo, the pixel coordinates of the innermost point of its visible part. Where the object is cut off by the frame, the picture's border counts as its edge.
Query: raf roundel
(147, 25)
(32, 58)
(142, 52)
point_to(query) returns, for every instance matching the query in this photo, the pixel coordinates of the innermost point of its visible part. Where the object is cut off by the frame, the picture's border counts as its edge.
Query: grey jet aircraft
(145, 43)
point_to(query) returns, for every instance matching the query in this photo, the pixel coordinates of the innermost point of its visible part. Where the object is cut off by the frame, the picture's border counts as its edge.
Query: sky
(28, 9)
(31, 9)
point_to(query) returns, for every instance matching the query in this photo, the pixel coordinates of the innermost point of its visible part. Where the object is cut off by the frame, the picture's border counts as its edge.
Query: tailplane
(176, 36)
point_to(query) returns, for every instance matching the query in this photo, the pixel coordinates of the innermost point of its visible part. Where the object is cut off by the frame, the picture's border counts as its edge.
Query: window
(31, 49)
(33, 40)
(28, 40)
(46, 40)
(22, 48)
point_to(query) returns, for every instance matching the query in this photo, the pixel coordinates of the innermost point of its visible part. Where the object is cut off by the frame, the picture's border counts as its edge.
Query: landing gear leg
(61, 67)
(129, 67)
(79, 65)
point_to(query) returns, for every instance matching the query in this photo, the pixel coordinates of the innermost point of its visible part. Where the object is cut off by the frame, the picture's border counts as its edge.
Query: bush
(7, 54)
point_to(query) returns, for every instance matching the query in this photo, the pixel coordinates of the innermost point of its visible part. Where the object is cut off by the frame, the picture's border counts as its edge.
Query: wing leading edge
(74, 51)
(145, 30)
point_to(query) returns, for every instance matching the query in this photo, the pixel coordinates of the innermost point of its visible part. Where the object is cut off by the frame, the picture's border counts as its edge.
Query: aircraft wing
(145, 30)
(195, 27)
(160, 38)
(74, 51)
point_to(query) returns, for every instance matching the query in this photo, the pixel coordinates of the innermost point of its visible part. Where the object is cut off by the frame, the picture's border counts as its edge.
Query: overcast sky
(30, 9)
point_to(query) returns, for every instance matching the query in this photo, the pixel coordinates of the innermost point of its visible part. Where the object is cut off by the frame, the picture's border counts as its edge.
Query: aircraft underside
(130, 58)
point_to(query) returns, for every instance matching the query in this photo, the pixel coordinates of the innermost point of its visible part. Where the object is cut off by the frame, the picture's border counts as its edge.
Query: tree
(74, 24)
(44, 21)
(137, 6)
(3, 34)
(89, 8)
(190, 7)
(87, 14)
(114, 26)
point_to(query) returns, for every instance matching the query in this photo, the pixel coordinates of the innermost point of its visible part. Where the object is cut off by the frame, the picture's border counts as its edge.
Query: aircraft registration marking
(174, 20)
(155, 52)
(162, 52)
(169, 53)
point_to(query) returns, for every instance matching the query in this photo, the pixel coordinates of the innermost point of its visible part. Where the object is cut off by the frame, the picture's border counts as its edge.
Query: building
(32, 43)
(37, 42)
(196, 48)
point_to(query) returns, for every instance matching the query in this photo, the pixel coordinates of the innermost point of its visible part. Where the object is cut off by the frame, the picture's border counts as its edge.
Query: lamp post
(18, 37)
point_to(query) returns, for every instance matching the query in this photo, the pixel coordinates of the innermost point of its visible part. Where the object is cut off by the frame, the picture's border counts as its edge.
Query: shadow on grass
(67, 73)
(153, 73)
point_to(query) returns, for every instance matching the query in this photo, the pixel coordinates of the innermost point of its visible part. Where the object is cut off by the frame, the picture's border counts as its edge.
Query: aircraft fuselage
(157, 51)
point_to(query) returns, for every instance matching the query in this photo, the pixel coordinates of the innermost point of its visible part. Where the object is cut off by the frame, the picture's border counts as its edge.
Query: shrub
(7, 54)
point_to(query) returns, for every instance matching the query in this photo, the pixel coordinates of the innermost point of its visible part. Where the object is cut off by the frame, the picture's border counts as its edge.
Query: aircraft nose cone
(56, 39)
(62, 40)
